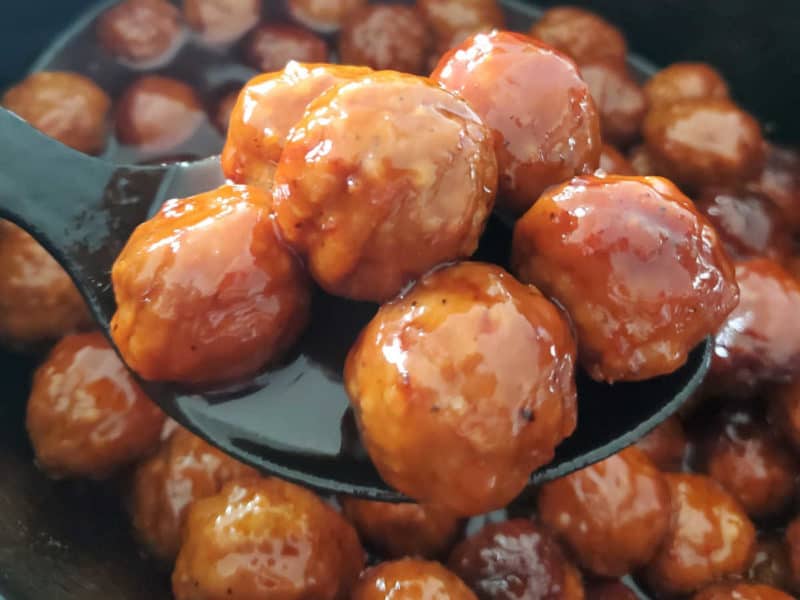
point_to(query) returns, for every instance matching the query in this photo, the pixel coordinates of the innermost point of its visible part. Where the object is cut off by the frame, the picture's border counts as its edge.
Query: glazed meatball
(384, 178)
(410, 579)
(619, 101)
(612, 515)
(792, 538)
(267, 108)
(386, 36)
(206, 291)
(770, 565)
(581, 34)
(266, 538)
(324, 16)
(705, 142)
(641, 272)
(66, 106)
(270, 47)
(139, 30)
(642, 161)
(404, 529)
(612, 161)
(780, 181)
(450, 18)
(667, 445)
(224, 110)
(463, 386)
(609, 590)
(157, 113)
(38, 301)
(785, 411)
(515, 560)
(709, 537)
(685, 81)
(184, 470)
(741, 591)
(508, 78)
(86, 415)
(222, 21)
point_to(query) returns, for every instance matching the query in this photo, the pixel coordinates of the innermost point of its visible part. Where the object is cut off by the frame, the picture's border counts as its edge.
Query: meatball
(86, 415)
(741, 591)
(612, 161)
(705, 142)
(206, 291)
(463, 386)
(709, 537)
(785, 411)
(405, 529)
(66, 106)
(266, 538)
(267, 108)
(221, 21)
(770, 565)
(508, 79)
(619, 101)
(667, 445)
(515, 560)
(409, 578)
(224, 109)
(139, 30)
(324, 16)
(642, 161)
(449, 18)
(581, 34)
(640, 271)
(270, 47)
(792, 538)
(184, 470)
(780, 181)
(612, 515)
(386, 36)
(384, 178)
(610, 590)
(38, 301)
(157, 113)
(685, 81)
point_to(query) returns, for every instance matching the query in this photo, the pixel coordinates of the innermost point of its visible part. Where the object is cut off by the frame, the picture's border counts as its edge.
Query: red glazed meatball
(705, 142)
(581, 34)
(221, 21)
(508, 79)
(157, 113)
(619, 101)
(642, 161)
(139, 30)
(270, 47)
(386, 36)
(780, 181)
(410, 579)
(86, 415)
(267, 108)
(666, 445)
(709, 537)
(450, 18)
(184, 469)
(641, 272)
(266, 538)
(404, 529)
(741, 591)
(785, 411)
(612, 161)
(612, 515)
(324, 16)
(685, 81)
(384, 178)
(770, 565)
(206, 291)
(609, 590)
(463, 386)
(66, 106)
(224, 110)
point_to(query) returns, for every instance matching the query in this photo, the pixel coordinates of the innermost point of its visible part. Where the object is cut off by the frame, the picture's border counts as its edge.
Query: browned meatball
(581, 34)
(324, 16)
(619, 100)
(609, 590)
(386, 36)
(613, 162)
(223, 298)
(463, 386)
(404, 529)
(410, 579)
(685, 81)
(86, 415)
(184, 469)
(222, 21)
(770, 565)
(516, 560)
(270, 47)
(667, 445)
(780, 181)
(66, 106)
(741, 591)
(642, 161)
(792, 538)
(709, 538)
(785, 411)
(224, 110)
(450, 18)
(266, 538)
(705, 142)
(641, 272)
(384, 178)
(139, 30)
(508, 79)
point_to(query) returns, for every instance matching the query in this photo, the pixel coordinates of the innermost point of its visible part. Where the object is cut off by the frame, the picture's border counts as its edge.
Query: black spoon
(292, 421)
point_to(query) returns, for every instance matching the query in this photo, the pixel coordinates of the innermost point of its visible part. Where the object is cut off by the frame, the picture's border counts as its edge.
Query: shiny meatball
(463, 386)
(705, 142)
(640, 271)
(139, 30)
(206, 291)
(386, 36)
(792, 539)
(612, 161)
(410, 579)
(612, 515)
(642, 161)
(224, 110)
(619, 100)
(86, 415)
(266, 538)
(270, 47)
(685, 81)
(267, 108)
(508, 78)
(404, 529)
(38, 301)
(157, 113)
(609, 590)
(709, 538)
(66, 106)
(449, 18)
(515, 560)
(667, 445)
(184, 469)
(384, 178)
(770, 564)
(780, 181)
(324, 16)
(785, 411)
(741, 591)
(221, 21)
(581, 34)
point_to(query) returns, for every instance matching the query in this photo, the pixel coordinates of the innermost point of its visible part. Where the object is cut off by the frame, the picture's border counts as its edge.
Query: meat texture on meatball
(409, 578)
(139, 31)
(222, 21)
(614, 163)
(323, 16)
(270, 48)
(685, 81)
(581, 34)
(451, 18)
(619, 100)
(667, 445)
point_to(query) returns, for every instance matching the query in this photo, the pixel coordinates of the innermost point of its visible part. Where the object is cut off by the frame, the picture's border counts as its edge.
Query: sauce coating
(410, 579)
(581, 34)
(667, 445)
(270, 47)
(684, 81)
(619, 100)
(139, 30)
(221, 21)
